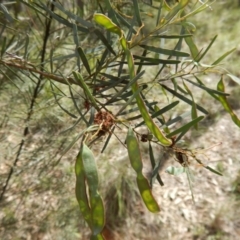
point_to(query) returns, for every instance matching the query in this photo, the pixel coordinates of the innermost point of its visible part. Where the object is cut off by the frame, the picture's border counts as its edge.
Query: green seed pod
(96, 203)
(146, 194)
(152, 126)
(136, 162)
(134, 151)
(81, 191)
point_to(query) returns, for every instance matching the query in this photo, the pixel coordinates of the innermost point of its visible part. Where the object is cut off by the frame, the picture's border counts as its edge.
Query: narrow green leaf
(76, 106)
(165, 51)
(155, 167)
(129, 101)
(141, 61)
(37, 11)
(108, 139)
(159, 11)
(162, 119)
(226, 105)
(194, 109)
(11, 43)
(51, 60)
(160, 112)
(104, 40)
(62, 20)
(134, 118)
(188, 101)
(65, 110)
(223, 56)
(70, 145)
(172, 36)
(26, 47)
(193, 48)
(2, 30)
(84, 59)
(177, 119)
(136, 109)
(7, 16)
(121, 65)
(206, 88)
(72, 127)
(73, 16)
(194, 114)
(125, 23)
(174, 11)
(207, 49)
(111, 84)
(165, 109)
(3, 46)
(86, 89)
(102, 60)
(156, 60)
(209, 92)
(207, 167)
(186, 127)
(76, 41)
(133, 81)
(137, 12)
(201, 8)
(214, 171)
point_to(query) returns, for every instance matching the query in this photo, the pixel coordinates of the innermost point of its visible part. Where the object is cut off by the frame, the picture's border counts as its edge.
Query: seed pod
(152, 126)
(136, 162)
(81, 191)
(90, 202)
(145, 191)
(96, 202)
(134, 151)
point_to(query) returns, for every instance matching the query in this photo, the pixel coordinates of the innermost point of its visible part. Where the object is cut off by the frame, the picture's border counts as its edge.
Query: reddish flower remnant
(105, 120)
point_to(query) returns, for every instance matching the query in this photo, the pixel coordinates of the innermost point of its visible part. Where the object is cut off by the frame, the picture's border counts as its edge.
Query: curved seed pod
(98, 217)
(96, 202)
(134, 151)
(107, 23)
(146, 194)
(136, 162)
(155, 130)
(152, 126)
(81, 191)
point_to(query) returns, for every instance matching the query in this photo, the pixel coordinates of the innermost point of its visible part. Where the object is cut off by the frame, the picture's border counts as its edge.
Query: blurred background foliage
(41, 121)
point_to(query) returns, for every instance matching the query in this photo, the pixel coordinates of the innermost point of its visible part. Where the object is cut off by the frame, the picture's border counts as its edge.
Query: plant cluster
(109, 59)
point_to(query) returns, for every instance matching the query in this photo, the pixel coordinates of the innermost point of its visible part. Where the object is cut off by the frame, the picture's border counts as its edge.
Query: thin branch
(31, 68)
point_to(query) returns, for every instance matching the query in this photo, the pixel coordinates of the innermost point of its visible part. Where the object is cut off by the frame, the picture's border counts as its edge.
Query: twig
(41, 72)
